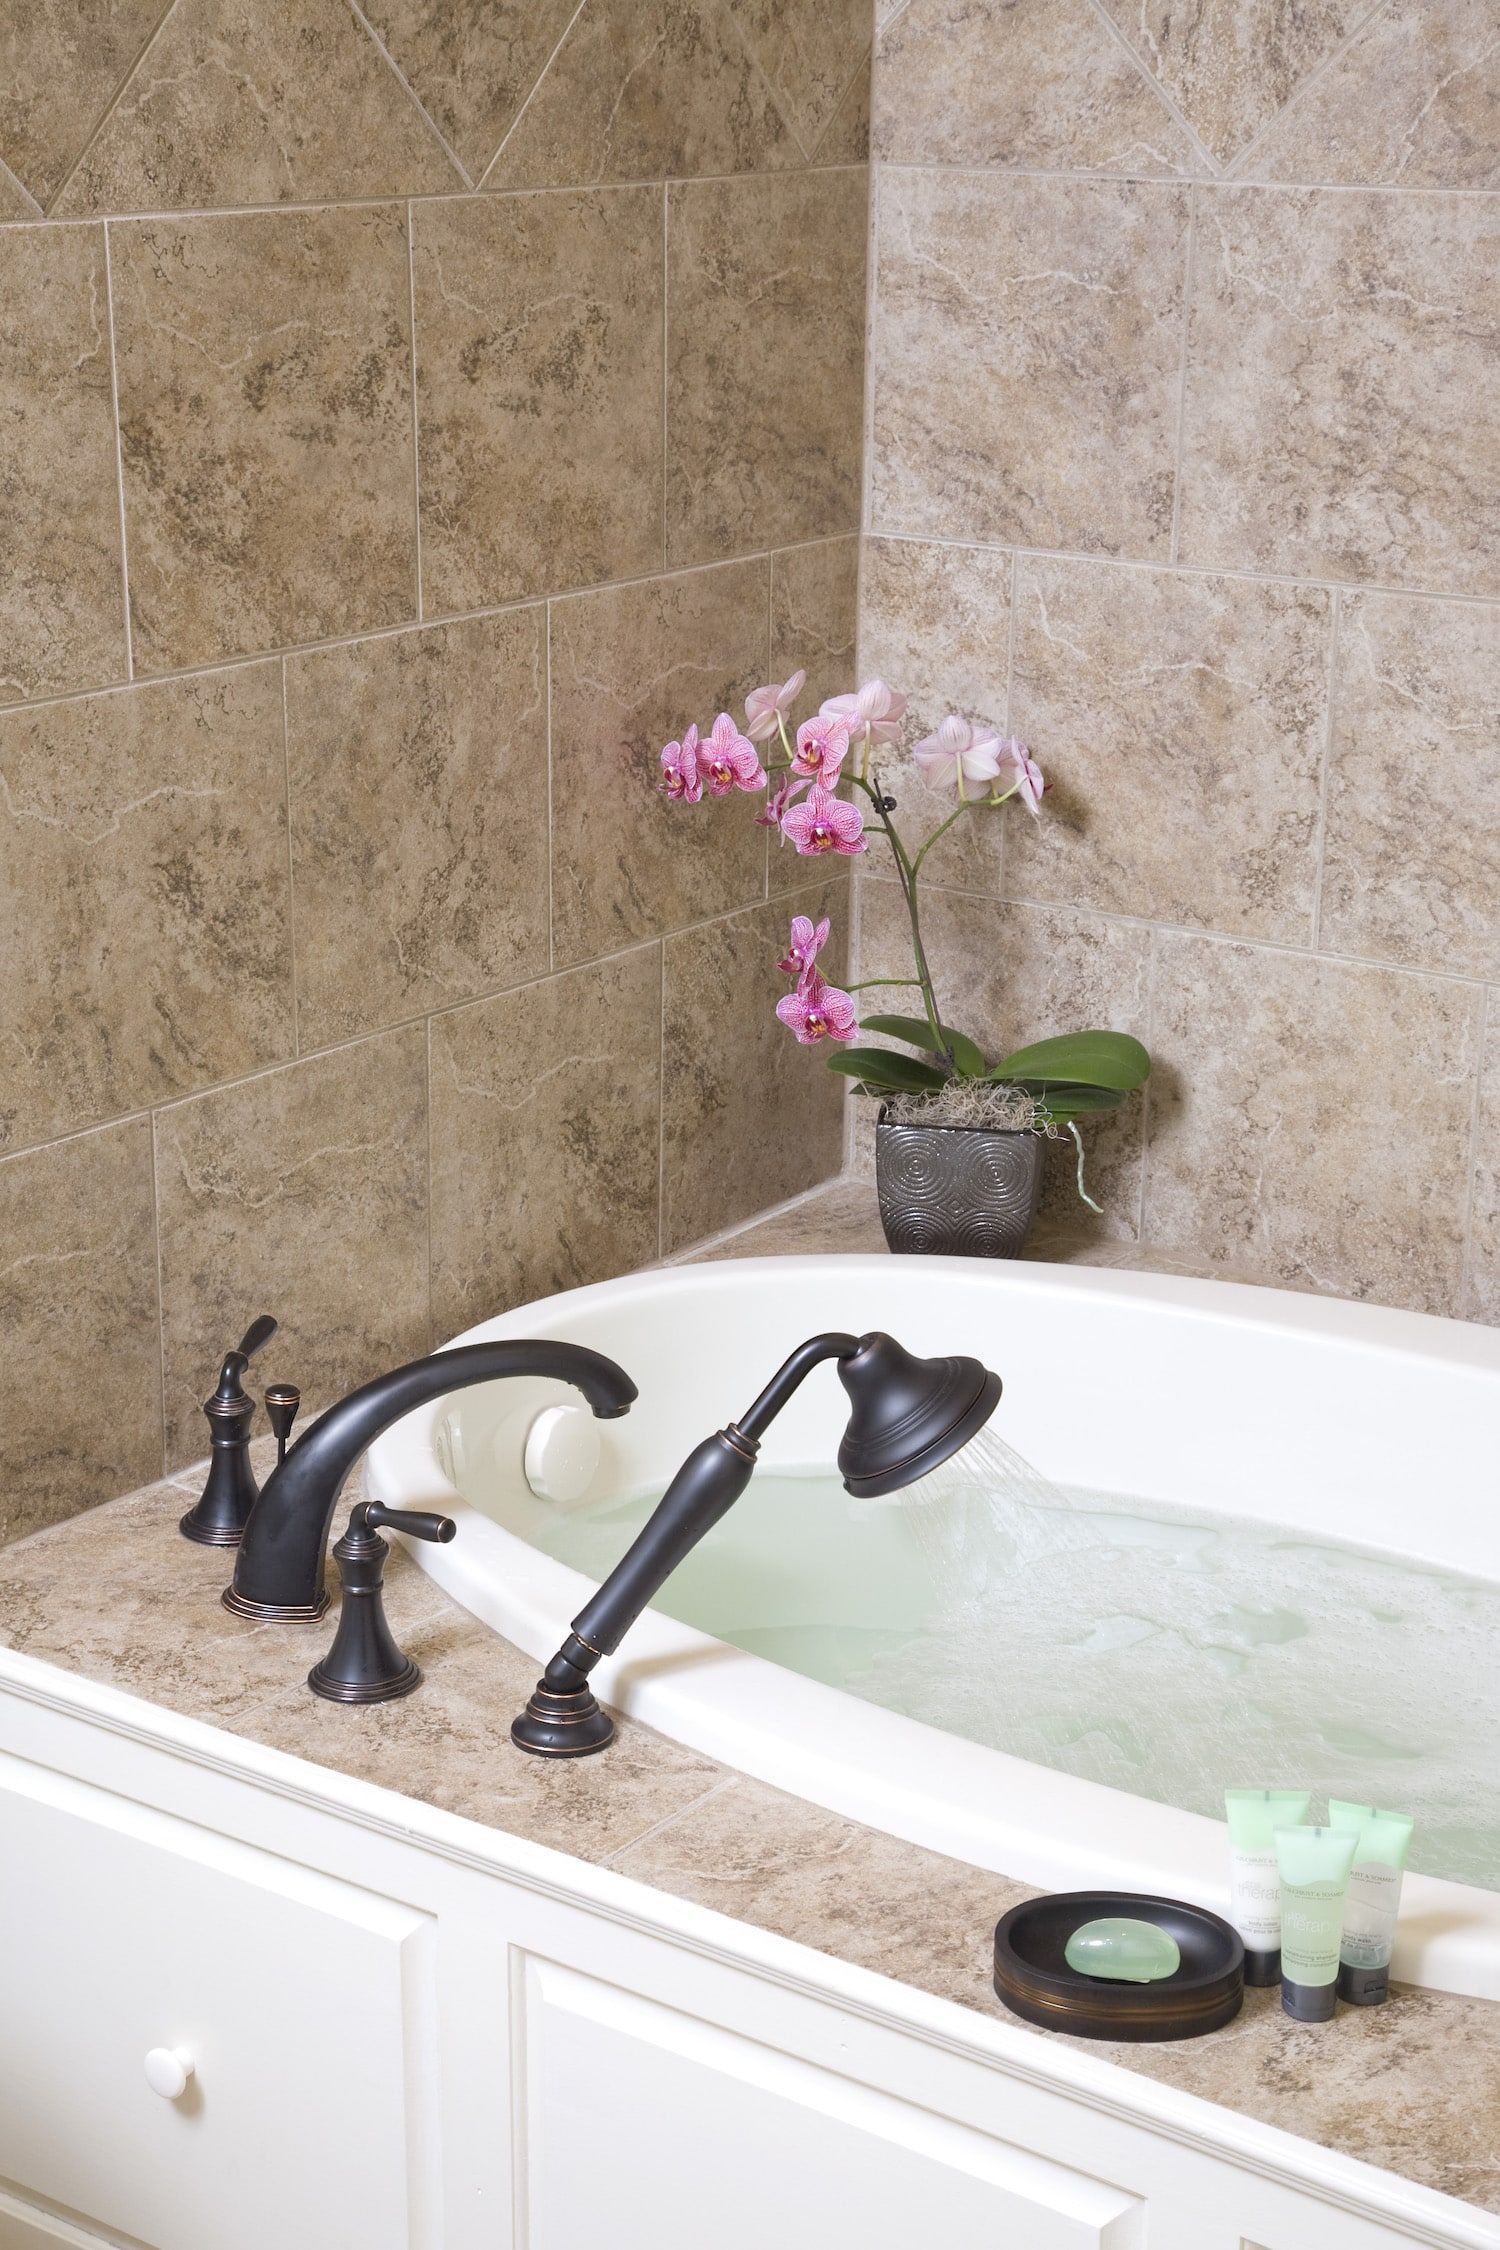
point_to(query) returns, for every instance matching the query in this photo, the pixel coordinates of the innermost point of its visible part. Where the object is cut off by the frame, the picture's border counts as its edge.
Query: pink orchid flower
(822, 746)
(1025, 775)
(727, 761)
(766, 707)
(824, 824)
(807, 943)
(817, 1010)
(957, 754)
(781, 799)
(680, 779)
(875, 712)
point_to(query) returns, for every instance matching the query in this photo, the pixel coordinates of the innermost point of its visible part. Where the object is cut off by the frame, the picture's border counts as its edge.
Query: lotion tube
(1314, 1866)
(1254, 1885)
(1381, 1841)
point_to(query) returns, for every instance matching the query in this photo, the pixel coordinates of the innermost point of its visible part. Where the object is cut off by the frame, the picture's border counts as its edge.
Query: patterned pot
(957, 1191)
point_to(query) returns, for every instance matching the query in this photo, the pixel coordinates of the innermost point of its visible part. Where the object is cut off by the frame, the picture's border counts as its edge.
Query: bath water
(1163, 1652)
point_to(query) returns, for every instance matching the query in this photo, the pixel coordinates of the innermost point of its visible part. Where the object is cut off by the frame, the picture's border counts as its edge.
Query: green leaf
(1064, 1103)
(882, 1066)
(1080, 1058)
(968, 1061)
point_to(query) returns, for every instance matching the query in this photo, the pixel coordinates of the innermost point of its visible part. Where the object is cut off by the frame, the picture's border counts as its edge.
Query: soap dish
(1205, 1991)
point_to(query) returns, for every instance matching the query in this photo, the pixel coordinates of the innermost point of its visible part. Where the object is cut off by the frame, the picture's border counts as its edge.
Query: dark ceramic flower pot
(957, 1191)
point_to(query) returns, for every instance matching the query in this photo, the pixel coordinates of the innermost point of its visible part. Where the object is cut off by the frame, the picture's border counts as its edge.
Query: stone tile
(62, 611)
(632, 666)
(1011, 974)
(418, 767)
(61, 63)
(1028, 345)
(935, 622)
(809, 54)
(645, 89)
(144, 917)
(1417, 700)
(539, 323)
(302, 1193)
(1181, 725)
(748, 1116)
(546, 1110)
(266, 429)
(288, 101)
(1341, 420)
(1035, 84)
(80, 1365)
(1410, 103)
(449, 1745)
(814, 619)
(751, 1852)
(472, 63)
(764, 275)
(1230, 65)
(847, 140)
(840, 1220)
(15, 203)
(1242, 1163)
(1481, 1299)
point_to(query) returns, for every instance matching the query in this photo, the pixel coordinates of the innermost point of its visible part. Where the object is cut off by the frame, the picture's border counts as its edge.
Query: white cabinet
(300, 2007)
(408, 2032)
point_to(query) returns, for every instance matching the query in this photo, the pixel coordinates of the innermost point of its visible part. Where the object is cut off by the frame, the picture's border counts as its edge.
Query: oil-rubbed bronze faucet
(906, 1416)
(230, 1490)
(279, 1569)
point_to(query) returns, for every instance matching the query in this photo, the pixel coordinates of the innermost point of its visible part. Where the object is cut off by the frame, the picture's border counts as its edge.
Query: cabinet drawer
(304, 2005)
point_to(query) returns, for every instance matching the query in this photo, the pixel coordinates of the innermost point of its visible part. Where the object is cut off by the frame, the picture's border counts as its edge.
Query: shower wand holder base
(555, 1725)
(1204, 1992)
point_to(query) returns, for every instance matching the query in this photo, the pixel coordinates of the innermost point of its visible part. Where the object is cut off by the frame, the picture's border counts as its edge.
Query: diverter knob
(168, 2070)
(562, 1454)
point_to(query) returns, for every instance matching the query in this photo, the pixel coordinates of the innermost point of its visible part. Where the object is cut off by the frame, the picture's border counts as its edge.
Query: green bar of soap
(1122, 1949)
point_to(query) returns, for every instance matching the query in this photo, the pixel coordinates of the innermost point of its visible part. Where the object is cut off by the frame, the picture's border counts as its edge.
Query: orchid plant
(822, 787)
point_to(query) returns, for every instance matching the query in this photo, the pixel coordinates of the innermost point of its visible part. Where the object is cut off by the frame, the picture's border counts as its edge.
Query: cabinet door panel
(654, 2130)
(304, 2004)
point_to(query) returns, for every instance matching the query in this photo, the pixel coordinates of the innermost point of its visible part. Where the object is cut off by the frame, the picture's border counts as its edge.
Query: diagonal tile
(15, 203)
(1230, 65)
(809, 50)
(1414, 102)
(472, 63)
(645, 89)
(290, 101)
(61, 64)
(1030, 84)
(846, 140)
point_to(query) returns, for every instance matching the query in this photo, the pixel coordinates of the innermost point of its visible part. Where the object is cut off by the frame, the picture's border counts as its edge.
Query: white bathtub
(1341, 1420)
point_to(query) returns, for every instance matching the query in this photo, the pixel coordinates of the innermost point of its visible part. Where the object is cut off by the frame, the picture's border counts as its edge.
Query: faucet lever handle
(417, 1523)
(259, 1332)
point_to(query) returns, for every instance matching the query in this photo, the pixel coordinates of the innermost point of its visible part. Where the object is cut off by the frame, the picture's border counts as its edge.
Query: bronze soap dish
(1205, 1991)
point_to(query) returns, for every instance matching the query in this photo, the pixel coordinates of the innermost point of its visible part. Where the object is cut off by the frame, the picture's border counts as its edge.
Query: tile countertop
(1413, 2087)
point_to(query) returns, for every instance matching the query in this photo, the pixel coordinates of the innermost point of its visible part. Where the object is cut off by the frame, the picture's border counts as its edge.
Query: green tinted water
(1162, 1652)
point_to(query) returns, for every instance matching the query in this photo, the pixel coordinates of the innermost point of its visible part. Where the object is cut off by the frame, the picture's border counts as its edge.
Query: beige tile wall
(1183, 461)
(409, 417)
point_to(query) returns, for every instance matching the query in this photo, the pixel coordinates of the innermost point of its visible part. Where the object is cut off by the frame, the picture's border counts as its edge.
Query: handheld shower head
(907, 1414)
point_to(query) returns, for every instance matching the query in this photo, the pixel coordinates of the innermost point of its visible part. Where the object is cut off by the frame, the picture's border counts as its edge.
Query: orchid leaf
(883, 1066)
(968, 1060)
(1079, 1058)
(1064, 1103)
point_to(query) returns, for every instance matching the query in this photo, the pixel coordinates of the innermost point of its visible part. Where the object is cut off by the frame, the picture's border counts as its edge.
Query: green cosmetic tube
(1254, 1815)
(1381, 1843)
(1314, 1865)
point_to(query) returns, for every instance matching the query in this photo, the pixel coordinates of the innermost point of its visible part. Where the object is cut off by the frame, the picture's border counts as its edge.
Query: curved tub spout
(279, 1570)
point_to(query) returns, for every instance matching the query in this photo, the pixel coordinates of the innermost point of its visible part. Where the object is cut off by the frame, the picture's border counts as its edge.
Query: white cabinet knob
(168, 2070)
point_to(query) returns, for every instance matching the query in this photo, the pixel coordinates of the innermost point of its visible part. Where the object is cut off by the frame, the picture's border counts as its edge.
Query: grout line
(551, 828)
(416, 427)
(291, 865)
(431, 1313)
(1002, 853)
(1330, 692)
(1314, 78)
(1182, 376)
(693, 1250)
(866, 61)
(161, 1294)
(1476, 1112)
(417, 103)
(1168, 101)
(506, 136)
(1174, 180)
(22, 190)
(717, 1789)
(872, 320)
(666, 207)
(661, 1101)
(114, 397)
(1140, 1201)
(109, 109)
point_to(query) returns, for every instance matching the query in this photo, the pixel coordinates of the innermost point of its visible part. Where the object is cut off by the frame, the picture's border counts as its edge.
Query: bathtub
(1339, 1420)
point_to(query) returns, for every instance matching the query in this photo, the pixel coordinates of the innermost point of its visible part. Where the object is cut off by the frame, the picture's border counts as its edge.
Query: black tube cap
(1364, 1988)
(1262, 1968)
(1308, 2003)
